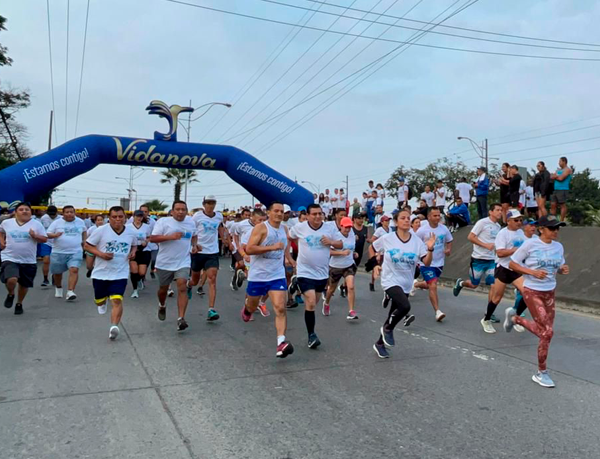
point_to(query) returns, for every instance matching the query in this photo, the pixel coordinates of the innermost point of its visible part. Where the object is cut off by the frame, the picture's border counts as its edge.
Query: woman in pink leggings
(539, 260)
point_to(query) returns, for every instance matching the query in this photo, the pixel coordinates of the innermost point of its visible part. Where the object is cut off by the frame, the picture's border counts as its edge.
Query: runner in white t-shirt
(46, 249)
(177, 238)
(114, 245)
(268, 247)
(89, 258)
(150, 246)
(241, 228)
(143, 256)
(237, 263)
(314, 242)
(379, 232)
(398, 254)
(442, 249)
(68, 235)
(19, 237)
(428, 196)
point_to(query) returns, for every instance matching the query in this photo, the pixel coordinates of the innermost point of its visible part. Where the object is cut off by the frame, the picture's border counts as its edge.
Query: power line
(487, 32)
(546, 135)
(67, 71)
(51, 70)
(546, 146)
(87, 15)
(544, 128)
(435, 32)
(446, 48)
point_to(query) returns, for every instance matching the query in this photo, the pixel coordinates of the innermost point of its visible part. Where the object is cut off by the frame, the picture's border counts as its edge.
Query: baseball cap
(286, 208)
(482, 169)
(513, 213)
(301, 209)
(401, 179)
(346, 222)
(138, 213)
(210, 197)
(529, 221)
(550, 221)
(385, 218)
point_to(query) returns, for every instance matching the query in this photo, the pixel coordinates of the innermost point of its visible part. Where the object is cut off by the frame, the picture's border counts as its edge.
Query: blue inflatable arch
(28, 179)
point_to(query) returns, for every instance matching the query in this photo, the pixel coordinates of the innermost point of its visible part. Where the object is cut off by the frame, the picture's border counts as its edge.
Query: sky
(409, 113)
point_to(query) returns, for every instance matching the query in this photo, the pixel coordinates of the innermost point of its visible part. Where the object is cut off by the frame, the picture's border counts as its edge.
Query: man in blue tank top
(562, 184)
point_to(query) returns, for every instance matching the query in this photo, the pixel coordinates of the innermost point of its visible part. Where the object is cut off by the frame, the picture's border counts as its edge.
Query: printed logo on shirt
(116, 247)
(314, 242)
(209, 227)
(399, 257)
(548, 260)
(518, 242)
(71, 231)
(19, 236)
(439, 241)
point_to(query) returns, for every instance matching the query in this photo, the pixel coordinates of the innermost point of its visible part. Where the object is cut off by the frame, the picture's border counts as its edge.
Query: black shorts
(204, 261)
(318, 285)
(505, 276)
(504, 198)
(109, 289)
(25, 272)
(514, 199)
(335, 274)
(532, 210)
(143, 257)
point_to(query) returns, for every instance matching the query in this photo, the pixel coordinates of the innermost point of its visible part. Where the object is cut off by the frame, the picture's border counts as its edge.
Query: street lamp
(313, 186)
(189, 129)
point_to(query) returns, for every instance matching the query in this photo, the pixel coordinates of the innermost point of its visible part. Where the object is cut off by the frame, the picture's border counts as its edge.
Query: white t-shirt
(142, 233)
(88, 223)
(174, 255)
(313, 256)
(71, 240)
(536, 254)
(240, 229)
(20, 246)
(347, 260)
(486, 231)
(208, 231)
(529, 197)
(400, 260)
(379, 232)
(91, 230)
(151, 222)
(327, 208)
(440, 197)
(507, 239)
(47, 221)
(370, 194)
(522, 193)
(442, 237)
(464, 191)
(428, 198)
(402, 193)
(105, 239)
(334, 200)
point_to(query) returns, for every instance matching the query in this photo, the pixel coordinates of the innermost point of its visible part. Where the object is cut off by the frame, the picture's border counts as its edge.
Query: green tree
(583, 203)
(177, 177)
(156, 205)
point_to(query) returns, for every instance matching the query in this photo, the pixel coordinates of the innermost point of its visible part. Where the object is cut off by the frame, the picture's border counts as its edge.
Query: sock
(490, 310)
(179, 318)
(521, 307)
(280, 339)
(134, 280)
(309, 318)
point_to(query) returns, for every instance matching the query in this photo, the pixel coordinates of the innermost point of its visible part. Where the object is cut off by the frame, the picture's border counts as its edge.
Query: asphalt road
(217, 390)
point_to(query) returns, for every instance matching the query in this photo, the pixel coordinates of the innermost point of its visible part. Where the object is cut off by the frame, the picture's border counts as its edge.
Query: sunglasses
(518, 220)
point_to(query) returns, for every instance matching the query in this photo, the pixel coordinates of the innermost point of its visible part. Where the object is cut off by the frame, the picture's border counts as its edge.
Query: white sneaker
(170, 292)
(519, 328)
(439, 315)
(70, 295)
(135, 294)
(141, 285)
(113, 333)
(487, 326)
(58, 292)
(102, 309)
(413, 290)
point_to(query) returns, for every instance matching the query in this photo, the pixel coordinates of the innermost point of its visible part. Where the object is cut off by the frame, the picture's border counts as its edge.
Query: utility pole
(50, 133)
(188, 139)
(347, 191)
(485, 149)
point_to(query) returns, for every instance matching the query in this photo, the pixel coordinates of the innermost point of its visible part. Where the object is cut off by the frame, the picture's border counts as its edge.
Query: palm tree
(177, 176)
(155, 205)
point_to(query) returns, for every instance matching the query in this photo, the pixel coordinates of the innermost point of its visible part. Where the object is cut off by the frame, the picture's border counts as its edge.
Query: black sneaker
(388, 337)
(18, 309)
(381, 351)
(181, 324)
(386, 300)
(88, 274)
(45, 283)
(313, 341)
(495, 319)
(343, 291)
(291, 304)
(8, 302)
(293, 285)
(371, 287)
(241, 277)
(200, 291)
(409, 319)
(162, 312)
(284, 349)
(152, 275)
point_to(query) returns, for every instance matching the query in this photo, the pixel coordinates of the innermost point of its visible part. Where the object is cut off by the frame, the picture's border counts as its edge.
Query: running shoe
(381, 351)
(313, 341)
(113, 333)
(409, 319)
(487, 326)
(457, 287)
(46, 282)
(212, 315)
(246, 316)
(135, 294)
(439, 316)
(325, 309)
(141, 285)
(293, 288)
(71, 296)
(352, 315)
(264, 311)
(241, 277)
(200, 291)
(170, 292)
(291, 304)
(519, 328)
(233, 284)
(102, 309)
(189, 293)
(494, 319)
(388, 337)
(181, 324)
(8, 302)
(284, 349)
(162, 312)
(509, 313)
(58, 293)
(88, 274)
(413, 289)
(323, 296)
(18, 309)
(343, 291)
(386, 300)
(371, 287)
(152, 275)
(543, 379)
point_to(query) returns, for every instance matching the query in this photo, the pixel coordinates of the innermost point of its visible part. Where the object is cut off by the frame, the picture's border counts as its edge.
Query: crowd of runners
(290, 259)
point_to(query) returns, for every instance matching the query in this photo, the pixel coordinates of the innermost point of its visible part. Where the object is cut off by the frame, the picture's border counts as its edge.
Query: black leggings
(399, 308)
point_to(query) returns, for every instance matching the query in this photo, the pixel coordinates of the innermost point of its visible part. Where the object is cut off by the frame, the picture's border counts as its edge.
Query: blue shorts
(262, 288)
(44, 250)
(482, 269)
(431, 273)
(108, 289)
(61, 262)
